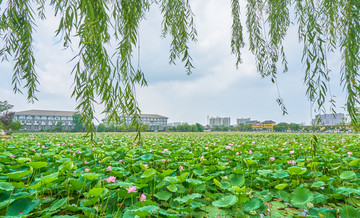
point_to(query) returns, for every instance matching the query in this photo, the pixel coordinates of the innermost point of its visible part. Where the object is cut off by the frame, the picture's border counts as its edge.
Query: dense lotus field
(180, 175)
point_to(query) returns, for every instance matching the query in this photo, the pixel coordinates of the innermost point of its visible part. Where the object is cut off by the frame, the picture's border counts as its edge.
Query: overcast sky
(216, 87)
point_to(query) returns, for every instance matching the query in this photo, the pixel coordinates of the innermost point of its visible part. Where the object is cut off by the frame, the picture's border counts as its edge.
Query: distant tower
(208, 120)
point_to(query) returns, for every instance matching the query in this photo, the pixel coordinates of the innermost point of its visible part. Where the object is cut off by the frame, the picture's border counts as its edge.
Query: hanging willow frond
(324, 26)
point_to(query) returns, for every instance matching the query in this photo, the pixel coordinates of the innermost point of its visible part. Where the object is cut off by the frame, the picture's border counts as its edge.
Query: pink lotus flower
(111, 179)
(85, 162)
(120, 161)
(272, 158)
(181, 168)
(38, 143)
(202, 157)
(291, 152)
(228, 147)
(12, 156)
(307, 159)
(163, 160)
(146, 165)
(27, 155)
(349, 153)
(43, 146)
(282, 149)
(143, 197)
(131, 189)
(250, 152)
(332, 151)
(109, 168)
(165, 150)
(87, 170)
(93, 149)
(74, 154)
(237, 153)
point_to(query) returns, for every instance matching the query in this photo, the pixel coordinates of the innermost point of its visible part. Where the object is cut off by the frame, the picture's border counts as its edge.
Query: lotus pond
(180, 175)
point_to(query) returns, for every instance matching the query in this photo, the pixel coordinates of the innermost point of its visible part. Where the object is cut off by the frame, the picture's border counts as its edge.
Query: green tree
(14, 126)
(294, 126)
(200, 128)
(5, 106)
(281, 127)
(323, 27)
(58, 127)
(78, 124)
(101, 128)
(144, 127)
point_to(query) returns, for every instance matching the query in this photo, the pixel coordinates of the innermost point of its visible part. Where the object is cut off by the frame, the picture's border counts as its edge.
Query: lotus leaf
(237, 179)
(6, 186)
(163, 195)
(301, 196)
(251, 205)
(347, 175)
(19, 174)
(226, 201)
(188, 198)
(22, 207)
(172, 188)
(148, 173)
(38, 165)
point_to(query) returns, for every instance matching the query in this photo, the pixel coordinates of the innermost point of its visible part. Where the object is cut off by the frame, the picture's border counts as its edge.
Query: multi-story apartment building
(219, 121)
(154, 121)
(329, 119)
(36, 120)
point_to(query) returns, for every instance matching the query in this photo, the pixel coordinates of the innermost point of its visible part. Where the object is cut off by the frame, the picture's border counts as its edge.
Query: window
(37, 117)
(22, 117)
(63, 118)
(29, 117)
(57, 118)
(50, 118)
(44, 117)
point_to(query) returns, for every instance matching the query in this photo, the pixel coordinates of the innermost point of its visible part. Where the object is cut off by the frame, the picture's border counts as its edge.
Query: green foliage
(78, 124)
(187, 128)
(4, 106)
(281, 127)
(58, 127)
(323, 27)
(71, 176)
(15, 126)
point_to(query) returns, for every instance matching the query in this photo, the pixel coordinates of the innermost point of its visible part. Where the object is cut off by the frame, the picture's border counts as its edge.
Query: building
(242, 120)
(219, 121)
(154, 121)
(329, 119)
(255, 124)
(268, 125)
(174, 124)
(36, 120)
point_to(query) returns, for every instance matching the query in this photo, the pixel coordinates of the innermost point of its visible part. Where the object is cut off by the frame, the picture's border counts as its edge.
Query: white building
(242, 120)
(219, 121)
(154, 121)
(36, 120)
(329, 119)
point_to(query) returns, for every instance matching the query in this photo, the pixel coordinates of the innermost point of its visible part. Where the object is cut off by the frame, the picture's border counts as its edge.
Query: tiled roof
(143, 116)
(152, 116)
(268, 122)
(46, 113)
